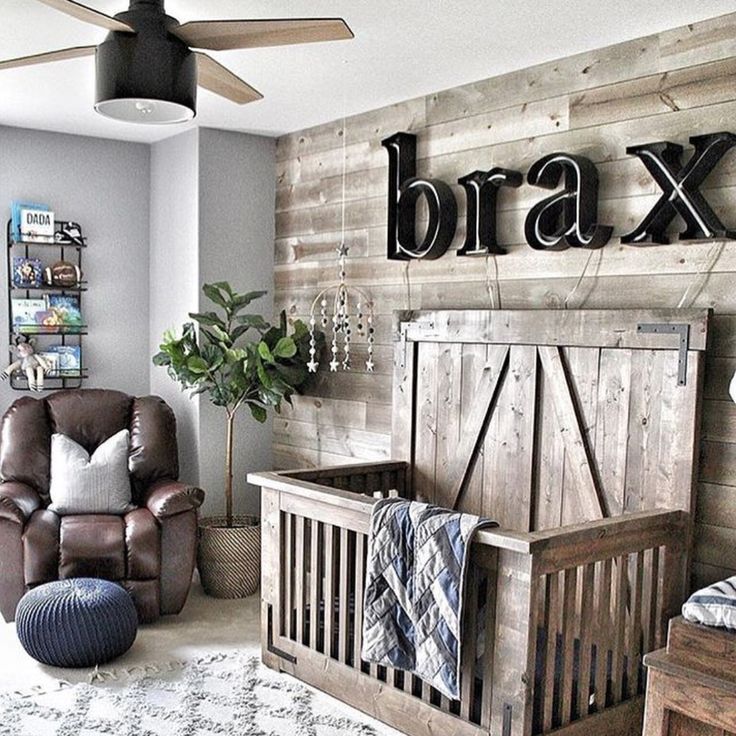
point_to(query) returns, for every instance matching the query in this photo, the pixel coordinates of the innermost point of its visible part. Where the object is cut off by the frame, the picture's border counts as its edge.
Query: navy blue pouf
(79, 622)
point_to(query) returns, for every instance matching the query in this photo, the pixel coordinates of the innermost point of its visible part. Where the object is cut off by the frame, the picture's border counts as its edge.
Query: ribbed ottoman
(79, 622)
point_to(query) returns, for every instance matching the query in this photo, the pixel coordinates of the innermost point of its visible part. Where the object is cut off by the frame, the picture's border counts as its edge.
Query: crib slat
(568, 643)
(586, 639)
(343, 598)
(489, 652)
(314, 584)
(467, 681)
(602, 633)
(551, 625)
(619, 619)
(635, 633)
(360, 540)
(288, 577)
(299, 574)
(329, 585)
(651, 600)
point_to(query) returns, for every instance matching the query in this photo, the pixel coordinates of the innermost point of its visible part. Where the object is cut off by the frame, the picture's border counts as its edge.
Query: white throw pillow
(81, 484)
(714, 605)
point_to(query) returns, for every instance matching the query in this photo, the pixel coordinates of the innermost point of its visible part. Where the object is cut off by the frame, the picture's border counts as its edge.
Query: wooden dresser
(691, 687)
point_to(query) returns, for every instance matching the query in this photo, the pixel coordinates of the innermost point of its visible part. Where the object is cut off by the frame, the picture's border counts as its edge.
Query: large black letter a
(567, 219)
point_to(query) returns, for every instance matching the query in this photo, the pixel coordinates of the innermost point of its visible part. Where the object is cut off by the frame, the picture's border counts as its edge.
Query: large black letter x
(680, 186)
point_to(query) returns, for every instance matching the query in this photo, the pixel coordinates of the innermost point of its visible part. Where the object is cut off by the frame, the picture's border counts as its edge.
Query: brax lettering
(566, 219)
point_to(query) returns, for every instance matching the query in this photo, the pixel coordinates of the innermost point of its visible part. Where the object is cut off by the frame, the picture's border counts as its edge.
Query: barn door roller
(683, 331)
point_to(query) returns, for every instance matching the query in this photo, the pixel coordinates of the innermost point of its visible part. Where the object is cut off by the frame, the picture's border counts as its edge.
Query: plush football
(62, 273)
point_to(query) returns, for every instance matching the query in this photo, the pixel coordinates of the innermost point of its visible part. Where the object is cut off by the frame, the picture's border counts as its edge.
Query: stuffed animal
(34, 366)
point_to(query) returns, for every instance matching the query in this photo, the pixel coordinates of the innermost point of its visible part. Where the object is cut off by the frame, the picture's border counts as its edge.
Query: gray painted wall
(103, 185)
(174, 274)
(236, 231)
(161, 221)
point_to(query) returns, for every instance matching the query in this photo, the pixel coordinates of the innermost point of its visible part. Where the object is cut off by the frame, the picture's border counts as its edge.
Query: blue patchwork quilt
(417, 560)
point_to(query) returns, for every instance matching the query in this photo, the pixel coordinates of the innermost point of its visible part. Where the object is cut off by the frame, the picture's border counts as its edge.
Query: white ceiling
(402, 49)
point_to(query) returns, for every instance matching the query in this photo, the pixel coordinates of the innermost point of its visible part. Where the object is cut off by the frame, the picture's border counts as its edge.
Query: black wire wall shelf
(53, 338)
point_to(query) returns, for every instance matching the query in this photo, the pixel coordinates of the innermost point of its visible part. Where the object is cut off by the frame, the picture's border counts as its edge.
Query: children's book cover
(27, 272)
(69, 359)
(64, 311)
(29, 315)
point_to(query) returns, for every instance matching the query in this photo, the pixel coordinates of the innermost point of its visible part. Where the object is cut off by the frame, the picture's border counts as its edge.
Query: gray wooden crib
(578, 432)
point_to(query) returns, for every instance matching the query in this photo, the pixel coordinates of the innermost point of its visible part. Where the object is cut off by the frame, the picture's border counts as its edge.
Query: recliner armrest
(169, 497)
(18, 501)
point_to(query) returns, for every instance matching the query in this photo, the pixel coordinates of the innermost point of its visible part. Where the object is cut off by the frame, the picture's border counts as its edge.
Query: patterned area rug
(216, 696)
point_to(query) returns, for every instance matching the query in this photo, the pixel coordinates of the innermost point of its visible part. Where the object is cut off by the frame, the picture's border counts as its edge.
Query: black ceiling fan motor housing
(149, 64)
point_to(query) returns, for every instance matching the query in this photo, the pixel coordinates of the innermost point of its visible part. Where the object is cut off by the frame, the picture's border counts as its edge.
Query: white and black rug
(217, 696)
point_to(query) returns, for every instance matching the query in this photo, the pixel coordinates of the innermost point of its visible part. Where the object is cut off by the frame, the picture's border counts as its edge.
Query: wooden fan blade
(221, 35)
(88, 15)
(219, 79)
(60, 55)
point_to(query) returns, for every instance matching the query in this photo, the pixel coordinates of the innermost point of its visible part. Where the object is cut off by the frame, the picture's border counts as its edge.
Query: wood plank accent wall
(667, 86)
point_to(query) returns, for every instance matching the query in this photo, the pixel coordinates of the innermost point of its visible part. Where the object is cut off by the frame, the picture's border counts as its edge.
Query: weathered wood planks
(668, 85)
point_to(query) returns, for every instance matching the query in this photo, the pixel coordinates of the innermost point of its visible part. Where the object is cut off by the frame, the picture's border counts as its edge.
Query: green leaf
(253, 320)
(285, 348)
(208, 318)
(243, 300)
(265, 352)
(258, 412)
(263, 377)
(212, 292)
(161, 359)
(224, 286)
(222, 335)
(197, 364)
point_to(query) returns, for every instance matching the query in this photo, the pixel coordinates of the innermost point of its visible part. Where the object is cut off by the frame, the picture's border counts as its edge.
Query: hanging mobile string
(341, 321)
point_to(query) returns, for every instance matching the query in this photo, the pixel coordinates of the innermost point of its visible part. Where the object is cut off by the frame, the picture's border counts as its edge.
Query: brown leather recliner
(150, 550)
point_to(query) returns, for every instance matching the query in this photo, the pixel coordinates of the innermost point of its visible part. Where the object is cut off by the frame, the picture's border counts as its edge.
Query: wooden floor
(666, 86)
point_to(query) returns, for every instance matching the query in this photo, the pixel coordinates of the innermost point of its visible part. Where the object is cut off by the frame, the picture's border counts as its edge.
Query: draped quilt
(417, 563)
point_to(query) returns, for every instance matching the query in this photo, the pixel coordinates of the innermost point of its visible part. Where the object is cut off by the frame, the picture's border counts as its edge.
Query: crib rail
(540, 609)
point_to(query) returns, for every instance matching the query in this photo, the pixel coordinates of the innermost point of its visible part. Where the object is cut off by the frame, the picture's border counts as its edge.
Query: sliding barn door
(546, 418)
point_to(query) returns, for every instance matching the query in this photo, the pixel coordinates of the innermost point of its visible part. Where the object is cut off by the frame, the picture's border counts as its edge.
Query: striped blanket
(417, 560)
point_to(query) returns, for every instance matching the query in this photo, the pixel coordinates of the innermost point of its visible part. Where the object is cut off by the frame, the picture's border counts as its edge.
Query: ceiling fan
(147, 71)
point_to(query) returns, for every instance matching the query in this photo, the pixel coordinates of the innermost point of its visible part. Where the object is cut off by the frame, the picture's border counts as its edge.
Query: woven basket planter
(229, 558)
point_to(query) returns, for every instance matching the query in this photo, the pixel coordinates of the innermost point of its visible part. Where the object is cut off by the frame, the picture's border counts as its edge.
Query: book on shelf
(38, 223)
(64, 311)
(29, 315)
(69, 359)
(27, 273)
(52, 363)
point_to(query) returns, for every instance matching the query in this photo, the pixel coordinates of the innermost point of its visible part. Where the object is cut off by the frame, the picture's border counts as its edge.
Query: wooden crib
(577, 431)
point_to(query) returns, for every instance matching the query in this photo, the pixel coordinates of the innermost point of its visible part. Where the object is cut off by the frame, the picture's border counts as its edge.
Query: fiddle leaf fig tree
(237, 359)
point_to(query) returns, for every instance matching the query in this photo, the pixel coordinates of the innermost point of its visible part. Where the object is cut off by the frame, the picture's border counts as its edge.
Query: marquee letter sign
(404, 191)
(680, 189)
(481, 189)
(568, 218)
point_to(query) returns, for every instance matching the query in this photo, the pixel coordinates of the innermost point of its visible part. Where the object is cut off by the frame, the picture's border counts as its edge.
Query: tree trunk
(229, 469)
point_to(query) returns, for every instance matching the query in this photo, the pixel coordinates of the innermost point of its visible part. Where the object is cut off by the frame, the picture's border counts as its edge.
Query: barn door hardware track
(683, 331)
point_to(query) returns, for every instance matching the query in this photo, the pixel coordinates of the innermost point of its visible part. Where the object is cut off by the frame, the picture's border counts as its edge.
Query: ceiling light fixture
(149, 76)
(147, 71)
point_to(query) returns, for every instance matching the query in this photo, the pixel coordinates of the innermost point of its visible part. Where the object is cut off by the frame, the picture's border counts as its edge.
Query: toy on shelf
(29, 362)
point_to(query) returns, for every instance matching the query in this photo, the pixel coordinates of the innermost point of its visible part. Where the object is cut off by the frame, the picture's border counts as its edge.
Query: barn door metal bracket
(269, 641)
(403, 327)
(508, 710)
(683, 332)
